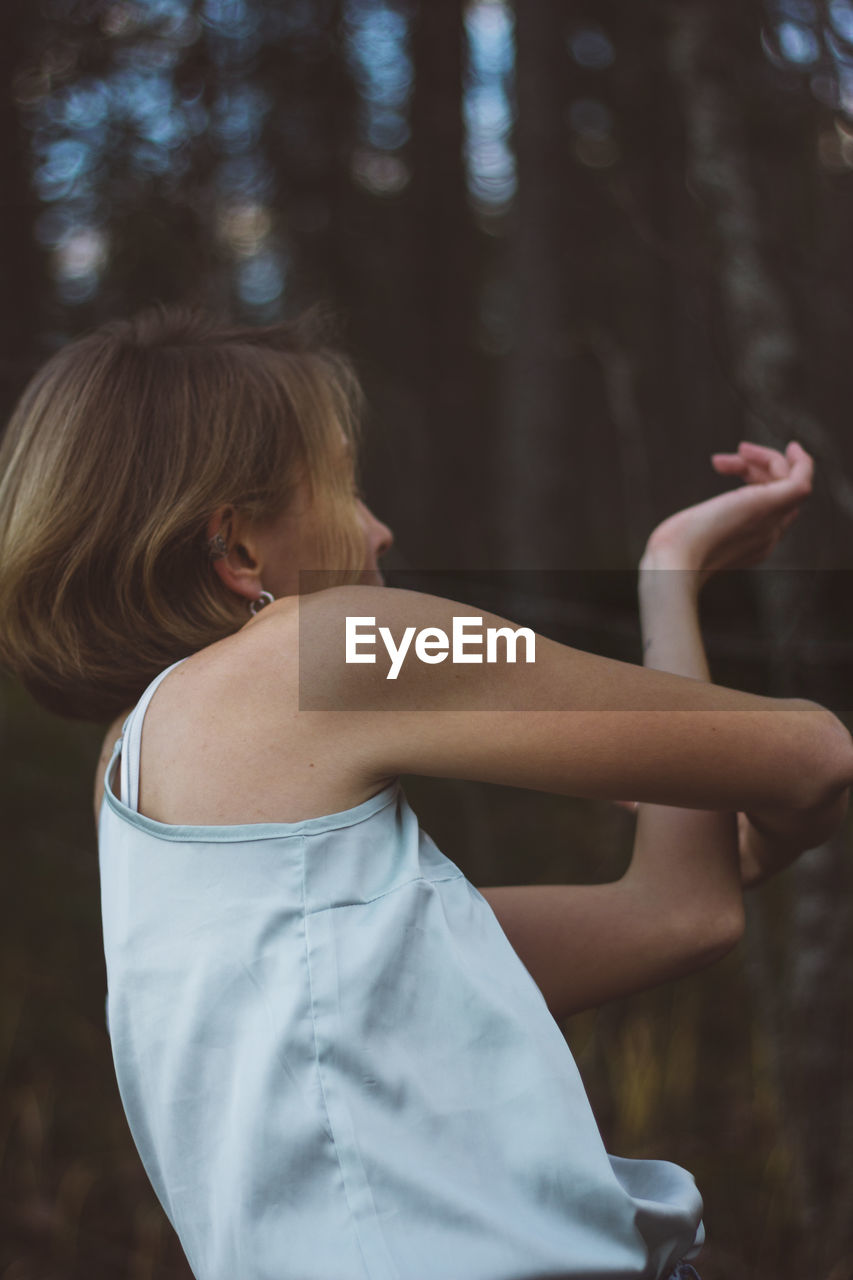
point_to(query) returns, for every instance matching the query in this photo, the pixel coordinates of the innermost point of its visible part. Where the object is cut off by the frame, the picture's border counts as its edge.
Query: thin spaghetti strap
(131, 738)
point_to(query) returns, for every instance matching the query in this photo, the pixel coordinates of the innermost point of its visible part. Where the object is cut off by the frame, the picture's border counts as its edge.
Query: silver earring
(261, 602)
(217, 547)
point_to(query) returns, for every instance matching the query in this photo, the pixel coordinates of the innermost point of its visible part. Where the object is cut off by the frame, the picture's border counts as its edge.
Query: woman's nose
(379, 535)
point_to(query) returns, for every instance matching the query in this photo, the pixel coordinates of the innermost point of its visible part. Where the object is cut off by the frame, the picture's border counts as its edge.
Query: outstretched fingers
(773, 464)
(758, 464)
(729, 463)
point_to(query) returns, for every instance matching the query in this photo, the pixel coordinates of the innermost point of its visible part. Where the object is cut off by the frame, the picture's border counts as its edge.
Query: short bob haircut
(116, 456)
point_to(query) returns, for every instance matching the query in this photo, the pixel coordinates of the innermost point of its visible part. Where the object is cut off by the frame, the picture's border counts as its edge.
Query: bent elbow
(729, 929)
(714, 934)
(826, 762)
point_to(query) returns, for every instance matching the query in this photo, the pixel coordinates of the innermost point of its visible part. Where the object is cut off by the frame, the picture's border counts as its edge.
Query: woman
(333, 1062)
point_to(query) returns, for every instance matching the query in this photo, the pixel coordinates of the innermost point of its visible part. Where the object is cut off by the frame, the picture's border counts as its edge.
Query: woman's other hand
(737, 529)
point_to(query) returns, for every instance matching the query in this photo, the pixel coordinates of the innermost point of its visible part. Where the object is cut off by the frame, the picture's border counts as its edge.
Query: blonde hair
(116, 456)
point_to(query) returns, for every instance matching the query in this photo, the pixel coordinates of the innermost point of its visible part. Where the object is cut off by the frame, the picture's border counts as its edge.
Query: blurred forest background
(576, 245)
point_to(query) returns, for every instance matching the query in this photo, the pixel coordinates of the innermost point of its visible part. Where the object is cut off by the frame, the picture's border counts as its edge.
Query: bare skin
(225, 742)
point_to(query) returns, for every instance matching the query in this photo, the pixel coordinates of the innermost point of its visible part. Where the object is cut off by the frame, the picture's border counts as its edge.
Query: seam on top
(241, 832)
(320, 1079)
(377, 897)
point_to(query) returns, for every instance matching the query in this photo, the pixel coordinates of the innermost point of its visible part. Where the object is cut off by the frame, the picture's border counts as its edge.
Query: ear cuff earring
(217, 547)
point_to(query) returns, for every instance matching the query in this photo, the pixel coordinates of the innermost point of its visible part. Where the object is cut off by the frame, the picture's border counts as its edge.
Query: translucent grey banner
(519, 639)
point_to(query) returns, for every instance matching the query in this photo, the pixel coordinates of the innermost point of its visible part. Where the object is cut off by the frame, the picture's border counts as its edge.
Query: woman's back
(335, 1065)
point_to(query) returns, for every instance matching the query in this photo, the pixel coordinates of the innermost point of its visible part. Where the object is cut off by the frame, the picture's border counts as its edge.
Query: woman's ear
(233, 555)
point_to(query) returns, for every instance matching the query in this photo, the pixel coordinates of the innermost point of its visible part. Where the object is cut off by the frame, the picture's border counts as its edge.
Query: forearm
(669, 619)
(672, 641)
(687, 857)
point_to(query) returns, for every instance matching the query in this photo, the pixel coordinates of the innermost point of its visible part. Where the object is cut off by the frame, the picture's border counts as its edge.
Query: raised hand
(733, 530)
(737, 529)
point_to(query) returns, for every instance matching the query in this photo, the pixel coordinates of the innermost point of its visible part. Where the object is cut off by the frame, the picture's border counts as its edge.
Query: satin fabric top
(335, 1066)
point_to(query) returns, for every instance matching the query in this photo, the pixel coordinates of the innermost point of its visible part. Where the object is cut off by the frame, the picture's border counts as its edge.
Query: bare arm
(769, 839)
(571, 722)
(680, 902)
(591, 725)
(678, 906)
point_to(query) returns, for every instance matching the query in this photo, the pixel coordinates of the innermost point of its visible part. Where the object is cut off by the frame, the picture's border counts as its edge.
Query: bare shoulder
(203, 676)
(226, 739)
